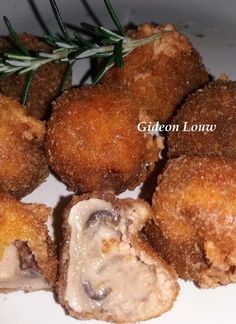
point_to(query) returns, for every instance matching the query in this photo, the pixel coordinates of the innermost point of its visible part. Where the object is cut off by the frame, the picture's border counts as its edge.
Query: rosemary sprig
(113, 46)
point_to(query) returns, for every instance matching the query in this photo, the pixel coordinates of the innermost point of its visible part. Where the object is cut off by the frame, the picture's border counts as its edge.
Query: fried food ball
(195, 213)
(161, 73)
(23, 165)
(93, 143)
(214, 106)
(27, 254)
(46, 85)
(107, 272)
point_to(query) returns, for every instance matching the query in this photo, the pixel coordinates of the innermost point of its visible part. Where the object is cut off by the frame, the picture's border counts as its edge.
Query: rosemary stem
(128, 46)
(131, 44)
(32, 63)
(144, 41)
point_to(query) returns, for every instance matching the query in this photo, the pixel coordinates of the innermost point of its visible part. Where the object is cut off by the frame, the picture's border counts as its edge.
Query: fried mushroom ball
(23, 165)
(27, 254)
(161, 73)
(195, 215)
(107, 272)
(215, 107)
(46, 83)
(93, 143)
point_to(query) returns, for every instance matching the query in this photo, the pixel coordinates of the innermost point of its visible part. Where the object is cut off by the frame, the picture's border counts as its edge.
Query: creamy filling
(104, 271)
(12, 277)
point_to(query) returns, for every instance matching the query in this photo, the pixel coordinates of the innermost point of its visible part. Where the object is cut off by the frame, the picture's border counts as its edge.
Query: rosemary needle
(118, 52)
(59, 20)
(14, 37)
(113, 46)
(114, 17)
(27, 87)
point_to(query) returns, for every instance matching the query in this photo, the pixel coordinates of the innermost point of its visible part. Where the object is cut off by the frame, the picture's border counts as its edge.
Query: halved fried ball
(160, 74)
(27, 254)
(46, 85)
(215, 107)
(93, 143)
(23, 165)
(107, 271)
(195, 213)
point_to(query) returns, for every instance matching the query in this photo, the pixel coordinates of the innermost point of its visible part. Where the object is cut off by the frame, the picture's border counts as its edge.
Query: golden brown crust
(46, 83)
(195, 211)
(27, 223)
(159, 74)
(23, 165)
(137, 241)
(215, 104)
(93, 142)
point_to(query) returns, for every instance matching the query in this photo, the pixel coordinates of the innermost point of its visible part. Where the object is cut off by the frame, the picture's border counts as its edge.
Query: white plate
(215, 20)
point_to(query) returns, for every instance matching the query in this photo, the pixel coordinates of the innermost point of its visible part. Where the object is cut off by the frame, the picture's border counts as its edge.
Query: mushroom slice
(27, 254)
(107, 271)
(101, 294)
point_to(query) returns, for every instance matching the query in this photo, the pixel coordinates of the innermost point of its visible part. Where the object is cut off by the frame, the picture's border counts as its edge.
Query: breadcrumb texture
(23, 165)
(46, 82)
(93, 143)
(216, 105)
(160, 74)
(27, 223)
(167, 275)
(195, 214)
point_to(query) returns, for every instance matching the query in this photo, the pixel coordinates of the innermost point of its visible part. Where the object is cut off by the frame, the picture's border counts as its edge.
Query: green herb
(14, 37)
(66, 76)
(114, 17)
(110, 62)
(27, 87)
(118, 51)
(108, 44)
(60, 21)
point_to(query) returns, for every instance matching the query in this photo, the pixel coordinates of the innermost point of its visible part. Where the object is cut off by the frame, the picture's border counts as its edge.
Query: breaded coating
(27, 253)
(214, 105)
(93, 143)
(195, 213)
(161, 73)
(46, 85)
(107, 271)
(23, 165)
